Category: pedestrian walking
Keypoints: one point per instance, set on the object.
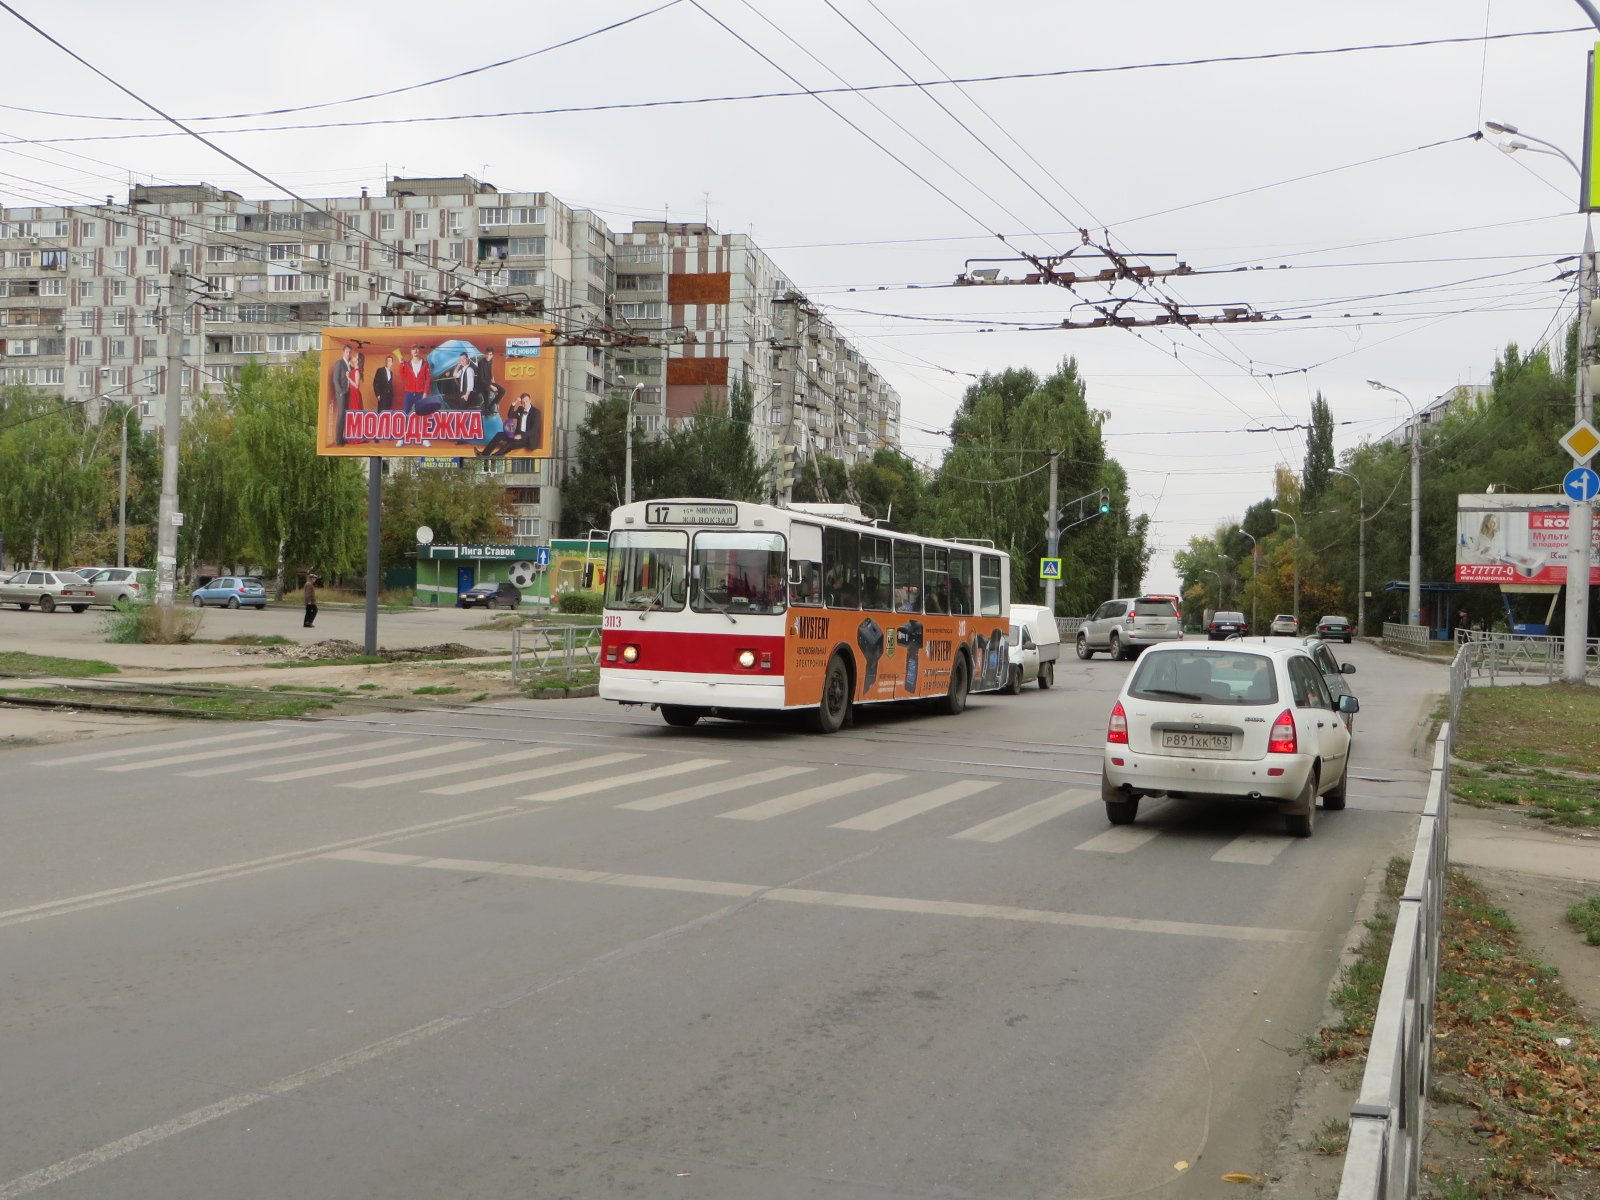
(311, 599)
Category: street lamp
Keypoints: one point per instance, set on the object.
(1296, 525)
(1361, 550)
(1414, 596)
(1255, 571)
(128, 407)
(1222, 587)
(1520, 141)
(627, 459)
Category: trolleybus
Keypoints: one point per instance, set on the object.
(728, 608)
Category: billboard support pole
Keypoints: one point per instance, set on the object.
(1580, 514)
(374, 509)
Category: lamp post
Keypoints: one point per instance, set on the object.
(1296, 525)
(1222, 587)
(1255, 571)
(1361, 550)
(128, 406)
(1414, 595)
(627, 453)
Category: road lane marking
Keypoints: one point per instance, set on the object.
(173, 760)
(781, 805)
(1027, 817)
(1253, 850)
(852, 900)
(453, 768)
(616, 781)
(261, 764)
(478, 785)
(915, 806)
(358, 764)
(1119, 839)
(89, 1159)
(99, 755)
(173, 883)
(703, 791)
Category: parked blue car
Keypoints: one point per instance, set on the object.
(231, 591)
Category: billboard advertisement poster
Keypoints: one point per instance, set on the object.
(437, 392)
(1517, 539)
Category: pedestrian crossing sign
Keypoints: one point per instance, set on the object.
(1049, 568)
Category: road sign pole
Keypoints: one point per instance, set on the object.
(1052, 539)
(1580, 514)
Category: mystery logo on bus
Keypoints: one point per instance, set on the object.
(811, 629)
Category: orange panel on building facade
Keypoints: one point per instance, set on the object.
(705, 372)
(712, 287)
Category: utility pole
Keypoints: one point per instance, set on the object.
(168, 515)
(1052, 536)
(122, 492)
(1580, 514)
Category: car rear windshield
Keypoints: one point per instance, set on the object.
(1148, 606)
(1202, 676)
(1226, 616)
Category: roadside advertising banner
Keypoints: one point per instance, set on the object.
(438, 392)
(1515, 539)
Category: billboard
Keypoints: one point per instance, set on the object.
(437, 391)
(1516, 539)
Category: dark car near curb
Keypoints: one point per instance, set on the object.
(1226, 625)
(1336, 627)
(491, 595)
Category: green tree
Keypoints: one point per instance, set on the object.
(1319, 453)
(458, 505)
(51, 476)
(710, 454)
(822, 479)
(211, 530)
(594, 484)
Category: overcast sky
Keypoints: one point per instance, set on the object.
(1468, 237)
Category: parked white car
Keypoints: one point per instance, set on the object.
(1034, 647)
(1249, 722)
(46, 589)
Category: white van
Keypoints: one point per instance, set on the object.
(1034, 646)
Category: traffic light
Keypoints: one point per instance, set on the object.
(1105, 500)
(786, 467)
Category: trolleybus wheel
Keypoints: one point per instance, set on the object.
(834, 710)
(955, 700)
(681, 715)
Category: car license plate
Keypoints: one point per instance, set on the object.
(1172, 739)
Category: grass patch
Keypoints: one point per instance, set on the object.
(543, 682)
(1331, 1139)
(249, 639)
(435, 689)
(296, 687)
(1586, 916)
(349, 660)
(226, 704)
(152, 624)
(1551, 726)
(367, 687)
(20, 662)
(1555, 798)
(1356, 997)
(481, 696)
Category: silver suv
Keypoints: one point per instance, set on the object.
(1122, 628)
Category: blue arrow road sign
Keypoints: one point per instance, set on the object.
(541, 556)
(1581, 484)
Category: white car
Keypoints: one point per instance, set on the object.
(1034, 647)
(1249, 722)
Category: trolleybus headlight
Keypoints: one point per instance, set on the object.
(747, 659)
(630, 654)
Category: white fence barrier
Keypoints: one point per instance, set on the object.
(1069, 626)
(565, 648)
(1414, 637)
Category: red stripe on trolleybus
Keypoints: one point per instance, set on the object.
(691, 653)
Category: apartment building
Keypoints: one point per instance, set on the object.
(85, 299)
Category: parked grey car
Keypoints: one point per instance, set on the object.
(44, 588)
(1124, 627)
(120, 585)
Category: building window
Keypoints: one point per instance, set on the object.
(283, 343)
(55, 375)
(280, 251)
(86, 319)
(385, 222)
(117, 348)
(528, 527)
(640, 312)
(147, 348)
(283, 220)
(52, 287)
(152, 256)
(525, 278)
(88, 230)
(186, 256)
(525, 245)
(421, 221)
(286, 283)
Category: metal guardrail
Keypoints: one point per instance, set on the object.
(1068, 627)
(567, 648)
(1383, 1158)
(1413, 636)
(1495, 654)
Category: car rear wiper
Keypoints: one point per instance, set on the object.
(1170, 692)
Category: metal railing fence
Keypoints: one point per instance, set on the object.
(1495, 654)
(1383, 1158)
(1414, 636)
(1069, 626)
(564, 648)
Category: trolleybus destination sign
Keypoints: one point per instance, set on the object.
(691, 514)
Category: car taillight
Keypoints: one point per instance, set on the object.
(1117, 727)
(1128, 620)
(1283, 739)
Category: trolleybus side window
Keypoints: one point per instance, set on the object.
(841, 568)
(738, 572)
(805, 564)
(647, 570)
(877, 588)
(961, 583)
(989, 585)
(907, 577)
(936, 579)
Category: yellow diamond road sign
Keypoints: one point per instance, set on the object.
(1581, 441)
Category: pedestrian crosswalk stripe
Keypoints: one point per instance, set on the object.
(1027, 817)
(1119, 839)
(616, 781)
(583, 764)
(915, 806)
(780, 805)
(173, 760)
(73, 760)
(262, 764)
(704, 791)
(1252, 850)
(493, 760)
(433, 751)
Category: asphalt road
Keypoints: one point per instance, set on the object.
(561, 950)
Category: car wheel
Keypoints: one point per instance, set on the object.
(954, 702)
(1014, 682)
(1334, 799)
(1121, 807)
(1300, 825)
(199, 603)
(1115, 647)
(1083, 647)
(23, 607)
(1047, 676)
(80, 608)
(233, 602)
(122, 599)
(834, 710)
(47, 604)
(681, 715)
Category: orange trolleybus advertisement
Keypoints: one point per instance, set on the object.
(437, 391)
